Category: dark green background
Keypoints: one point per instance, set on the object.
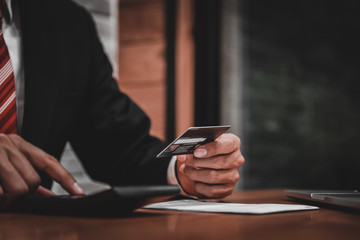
(303, 79)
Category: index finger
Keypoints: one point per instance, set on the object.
(225, 144)
(57, 172)
(47, 163)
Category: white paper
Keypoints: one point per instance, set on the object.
(219, 207)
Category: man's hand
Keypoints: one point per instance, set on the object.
(212, 171)
(18, 161)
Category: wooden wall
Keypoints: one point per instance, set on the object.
(184, 66)
(142, 63)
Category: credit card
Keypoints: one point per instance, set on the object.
(191, 138)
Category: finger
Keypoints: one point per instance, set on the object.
(26, 170)
(2, 205)
(56, 171)
(189, 159)
(47, 163)
(43, 192)
(1, 194)
(182, 168)
(11, 181)
(19, 162)
(228, 161)
(225, 144)
(181, 158)
(214, 191)
(212, 176)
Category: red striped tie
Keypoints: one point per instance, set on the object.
(7, 89)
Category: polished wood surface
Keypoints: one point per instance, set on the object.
(149, 224)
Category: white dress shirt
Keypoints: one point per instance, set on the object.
(12, 36)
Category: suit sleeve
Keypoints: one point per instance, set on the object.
(111, 136)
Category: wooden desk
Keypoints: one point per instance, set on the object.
(149, 224)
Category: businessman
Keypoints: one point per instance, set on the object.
(56, 85)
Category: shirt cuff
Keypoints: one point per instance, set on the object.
(171, 175)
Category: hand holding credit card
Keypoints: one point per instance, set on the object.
(208, 161)
(191, 138)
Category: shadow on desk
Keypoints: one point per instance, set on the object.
(324, 223)
(113, 202)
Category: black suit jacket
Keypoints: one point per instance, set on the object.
(70, 95)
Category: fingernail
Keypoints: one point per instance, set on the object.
(182, 168)
(78, 189)
(200, 152)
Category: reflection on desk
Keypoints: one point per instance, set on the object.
(153, 224)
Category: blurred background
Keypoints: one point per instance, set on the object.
(284, 74)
